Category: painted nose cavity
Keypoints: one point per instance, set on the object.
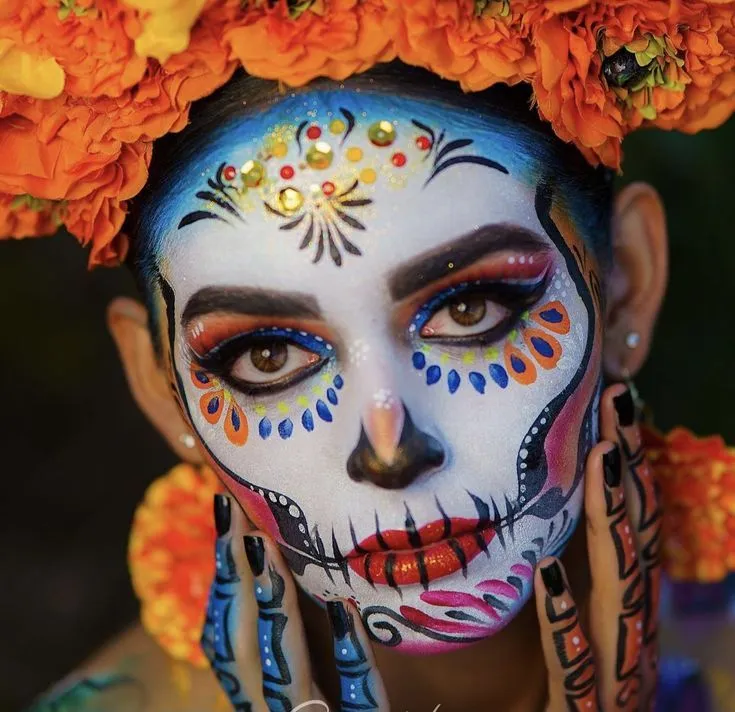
(391, 451)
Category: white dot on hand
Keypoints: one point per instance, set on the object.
(344, 651)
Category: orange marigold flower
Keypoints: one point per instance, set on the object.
(171, 558)
(296, 42)
(26, 216)
(608, 68)
(475, 43)
(697, 481)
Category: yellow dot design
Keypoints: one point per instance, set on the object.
(354, 154)
(368, 175)
(337, 126)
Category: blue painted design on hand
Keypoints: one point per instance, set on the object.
(323, 411)
(332, 396)
(307, 420)
(338, 382)
(419, 361)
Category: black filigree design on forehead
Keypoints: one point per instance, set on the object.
(319, 177)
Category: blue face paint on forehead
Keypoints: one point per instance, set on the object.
(343, 142)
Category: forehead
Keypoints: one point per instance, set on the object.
(338, 184)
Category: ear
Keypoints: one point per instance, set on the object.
(127, 321)
(637, 284)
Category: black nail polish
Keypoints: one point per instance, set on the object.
(612, 467)
(625, 409)
(553, 580)
(222, 514)
(339, 618)
(255, 551)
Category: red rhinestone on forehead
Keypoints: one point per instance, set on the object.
(287, 172)
(423, 143)
(229, 173)
(328, 188)
(313, 132)
(399, 159)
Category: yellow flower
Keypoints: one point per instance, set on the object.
(29, 74)
(166, 26)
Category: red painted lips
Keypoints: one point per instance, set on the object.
(399, 557)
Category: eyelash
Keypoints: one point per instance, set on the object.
(220, 360)
(517, 297)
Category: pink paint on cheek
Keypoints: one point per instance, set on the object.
(525, 572)
(255, 507)
(560, 445)
(455, 599)
(499, 588)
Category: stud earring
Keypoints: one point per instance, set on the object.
(187, 441)
(632, 339)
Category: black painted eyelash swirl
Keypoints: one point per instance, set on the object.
(220, 360)
(516, 297)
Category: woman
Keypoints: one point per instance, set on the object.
(388, 291)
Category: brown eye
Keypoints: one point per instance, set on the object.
(468, 311)
(270, 358)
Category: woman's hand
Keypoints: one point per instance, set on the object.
(611, 666)
(254, 638)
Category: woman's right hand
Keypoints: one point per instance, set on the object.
(253, 635)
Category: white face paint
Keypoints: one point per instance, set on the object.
(391, 352)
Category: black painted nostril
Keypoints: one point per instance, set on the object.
(417, 453)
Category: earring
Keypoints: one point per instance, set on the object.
(632, 339)
(187, 441)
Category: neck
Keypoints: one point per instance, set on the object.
(506, 671)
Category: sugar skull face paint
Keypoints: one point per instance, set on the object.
(384, 327)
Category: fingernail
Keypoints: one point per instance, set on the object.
(222, 514)
(339, 618)
(612, 467)
(553, 580)
(255, 551)
(625, 408)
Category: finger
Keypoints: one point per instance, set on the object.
(284, 656)
(361, 687)
(616, 601)
(567, 651)
(643, 502)
(229, 639)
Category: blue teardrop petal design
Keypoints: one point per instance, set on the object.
(433, 375)
(453, 381)
(235, 419)
(307, 420)
(213, 405)
(419, 361)
(338, 382)
(478, 381)
(323, 411)
(285, 429)
(265, 428)
(517, 364)
(553, 316)
(201, 377)
(332, 396)
(542, 346)
(498, 374)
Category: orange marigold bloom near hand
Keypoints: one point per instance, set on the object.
(323, 38)
(696, 477)
(477, 43)
(171, 558)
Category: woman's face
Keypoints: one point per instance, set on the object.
(385, 330)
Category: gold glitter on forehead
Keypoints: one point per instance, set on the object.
(319, 178)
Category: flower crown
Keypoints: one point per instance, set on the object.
(86, 86)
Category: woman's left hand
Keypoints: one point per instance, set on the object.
(611, 665)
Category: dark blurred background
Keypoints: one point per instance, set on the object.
(76, 456)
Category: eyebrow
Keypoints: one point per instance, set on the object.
(250, 301)
(462, 252)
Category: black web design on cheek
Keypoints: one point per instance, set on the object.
(303, 544)
(327, 217)
(532, 465)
